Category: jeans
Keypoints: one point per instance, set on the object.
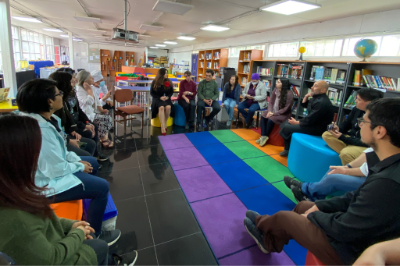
(201, 106)
(230, 107)
(267, 125)
(330, 184)
(92, 187)
(189, 108)
(251, 110)
(100, 247)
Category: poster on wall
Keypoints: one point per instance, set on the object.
(195, 59)
(93, 55)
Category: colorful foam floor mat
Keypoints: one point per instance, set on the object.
(224, 173)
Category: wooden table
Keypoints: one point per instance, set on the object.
(6, 107)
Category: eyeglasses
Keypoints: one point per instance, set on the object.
(361, 120)
(60, 93)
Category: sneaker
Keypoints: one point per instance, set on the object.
(258, 141)
(111, 237)
(291, 182)
(255, 234)
(299, 195)
(284, 153)
(252, 215)
(128, 259)
(263, 141)
(229, 123)
(102, 158)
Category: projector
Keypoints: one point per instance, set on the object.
(125, 36)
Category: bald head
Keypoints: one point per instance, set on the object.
(320, 87)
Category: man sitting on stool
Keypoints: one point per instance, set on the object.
(350, 146)
(320, 114)
(207, 95)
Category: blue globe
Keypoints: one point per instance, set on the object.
(365, 48)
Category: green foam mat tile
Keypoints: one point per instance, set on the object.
(244, 150)
(225, 136)
(284, 190)
(269, 168)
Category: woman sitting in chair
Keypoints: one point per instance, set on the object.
(279, 109)
(161, 90)
(231, 97)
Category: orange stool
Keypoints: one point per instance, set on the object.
(72, 210)
(274, 138)
(312, 260)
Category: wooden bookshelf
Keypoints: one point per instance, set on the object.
(244, 69)
(130, 56)
(105, 60)
(211, 59)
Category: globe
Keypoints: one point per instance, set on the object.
(365, 48)
(302, 50)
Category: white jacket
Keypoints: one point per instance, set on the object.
(261, 94)
(101, 89)
(87, 103)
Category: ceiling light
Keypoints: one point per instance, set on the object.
(65, 36)
(289, 7)
(186, 38)
(77, 40)
(88, 19)
(160, 45)
(96, 30)
(152, 47)
(144, 35)
(55, 30)
(168, 42)
(214, 28)
(171, 7)
(150, 27)
(34, 20)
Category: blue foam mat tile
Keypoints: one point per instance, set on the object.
(202, 138)
(238, 175)
(296, 252)
(217, 153)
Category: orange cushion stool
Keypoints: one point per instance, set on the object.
(274, 138)
(312, 260)
(72, 210)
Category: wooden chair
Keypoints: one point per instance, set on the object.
(127, 111)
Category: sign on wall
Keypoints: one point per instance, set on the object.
(93, 55)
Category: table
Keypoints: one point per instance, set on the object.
(6, 107)
(40, 64)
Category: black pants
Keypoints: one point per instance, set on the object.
(267, 125)
(287, 130)
(89, 150)
(201, 106)
(88, 134)
(189, 108)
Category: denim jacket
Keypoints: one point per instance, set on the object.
(238, 91)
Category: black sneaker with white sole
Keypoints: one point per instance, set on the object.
(255, 234)
(290, 181)
(284, 153)
(299, 195)
(111, 237)
(252, 215)
(128, 259)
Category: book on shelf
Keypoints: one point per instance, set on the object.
(208, 56)
(216, 65)
(341, 76)
(382, 83)
(296, 90)
(208, 64)
(243, 81)
(267, 84)
(334, 74)
(246, 56)
(351, 101)
(216, 55)
(201, 64)
(282, 71)
(296, 72)
(202, 56)
(265, 71)
(327, 74)
(246, 68)
(313, 75)
(294, 106)
(334, 95)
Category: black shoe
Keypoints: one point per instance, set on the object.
(299, 195)
(252, 215)
(126, 259)
(255, 234)
(205, 126)
(291, 182)
(102, 158)
(198, 127)
(284, 153)
(111, 237)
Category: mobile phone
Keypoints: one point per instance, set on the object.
(82, 145)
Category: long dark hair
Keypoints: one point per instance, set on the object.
(63, 80)
(229, 89)
(284, 92)
(20, 143)
(159, 80)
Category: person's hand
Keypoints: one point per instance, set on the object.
(74, 142)
(342, 170)
(88, 88)
(187, 100)
(210, 102)
(336, 134)
(372, 256)
(186, 93)
(91, 128)
(88, 167)
(110, 103)
(310, 94)
(312, 209)
(247, 96)
(270, 114)
(87, 230)
(76, 135)
(335, 127)
(222, 105)
(104, 111)
(166, 98)
(293, 121)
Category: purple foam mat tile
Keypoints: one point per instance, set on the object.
(175, 141)
(254, 256)
(185, 158)
(201, 183)
(221, 219)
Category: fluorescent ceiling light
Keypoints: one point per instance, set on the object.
(55, 30)
(77, 40)
(152, 47)
(186, 38)
(150, 27)
(214, 28)
(88, 19)
(169, 42)
(171, 7)
(289, 7)
(144, 35)
(160, 45)
(34, 20)
(66, 36)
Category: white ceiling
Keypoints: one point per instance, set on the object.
(241, 16)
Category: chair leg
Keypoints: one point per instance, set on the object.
(142, 119)
(125, 126)
(237, 119)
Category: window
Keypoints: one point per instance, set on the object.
(30, 45)
(256, 47)
(283, 49)
(349, 43)
(234, 51)
(322, 47)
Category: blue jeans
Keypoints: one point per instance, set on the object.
(330, 184)
(250, 113)
(92, 187)
(230, 106)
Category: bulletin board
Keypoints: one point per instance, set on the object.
(93, 55)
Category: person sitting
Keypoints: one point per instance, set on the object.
(99, 85)
(207, 95)
(30, 232)
(345, 139)
(279, 109)
(231, 97)
(254, 98)
(338, 178)
(90, 104)
(70, 71)
(339, 229)
(65, 175)
(161, 90)
(384, 253)
(320, 115)
(187, 98)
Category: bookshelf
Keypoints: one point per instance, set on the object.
(105, 59)
(211, 59)
(130, 56)
(244, 69)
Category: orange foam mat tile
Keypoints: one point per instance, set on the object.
(282, 160)
(246, 134)
(268, 149)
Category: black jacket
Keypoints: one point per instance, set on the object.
(350, 127)
(364, 217)
(320, 112)
(67, 114)
(157, 94)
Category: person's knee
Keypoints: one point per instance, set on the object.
(168, 107)
(192, 103)
(326, 135)
(346, 156)
(100, 247)
(161, 108)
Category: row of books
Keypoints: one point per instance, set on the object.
(216, 55)
(364, 77)
(289, 71)
(296, 90)
(267, 83)
(265, 71)
(243, 81)
(328, 74)
(351, 101)
(246, 68)
(246, 56)
(216, 65)
(209, 65)
(335, 96)
(208, 56)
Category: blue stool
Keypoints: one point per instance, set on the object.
(180, 117)
(110, 212)
(310, 157)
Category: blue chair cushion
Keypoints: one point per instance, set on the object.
(180, 117)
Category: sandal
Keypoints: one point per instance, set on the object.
(107, 143)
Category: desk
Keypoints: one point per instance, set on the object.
(6, 107)
(40, 64)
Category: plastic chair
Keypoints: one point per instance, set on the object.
(180, 117)
(72, 210)
(127, 111)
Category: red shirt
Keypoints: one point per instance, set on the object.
(190, 86)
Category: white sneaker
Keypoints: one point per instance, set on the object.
(263, 140)
(258, 141)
